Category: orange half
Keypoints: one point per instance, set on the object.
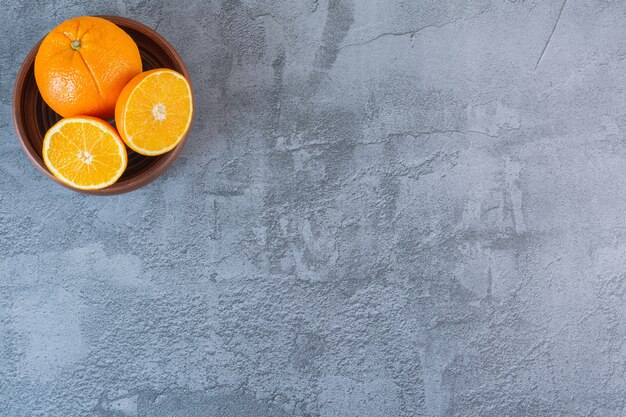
(84, 152)
(154, 111)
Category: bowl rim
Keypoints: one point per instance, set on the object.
(150, 173)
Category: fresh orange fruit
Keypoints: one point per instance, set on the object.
(84, 152)
(154, 111)
(83, 64)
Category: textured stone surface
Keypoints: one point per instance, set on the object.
(386, 208)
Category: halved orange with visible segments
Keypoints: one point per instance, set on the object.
(154, 111)
(84, 152)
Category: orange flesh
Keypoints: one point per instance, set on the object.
(154, 111)
(84, 152)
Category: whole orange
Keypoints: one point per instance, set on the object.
(82, 66)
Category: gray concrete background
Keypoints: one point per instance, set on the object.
(386, 208)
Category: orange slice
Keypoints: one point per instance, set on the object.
(84, 152)
(154, 111)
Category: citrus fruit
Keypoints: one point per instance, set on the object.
(154, 111)
(84, 152)
(83, 64)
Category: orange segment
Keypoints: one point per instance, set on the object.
(154, 111)
(84, 152)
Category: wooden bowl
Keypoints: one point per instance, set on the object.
(32, 116)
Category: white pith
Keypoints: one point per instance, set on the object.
(159, 112)
(85, 156)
